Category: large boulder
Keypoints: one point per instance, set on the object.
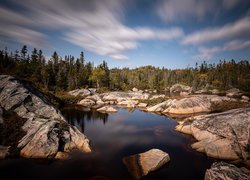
(192, 105)
(225, 171)
(178, 88)
(45, 127)
(140, 165)
(86, 102)
(189, 105)
(214, 132)
(80, 92)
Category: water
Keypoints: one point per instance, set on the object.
(113, 137)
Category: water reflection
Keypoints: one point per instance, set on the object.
(124, 133)
(77, 116)
(112, 137)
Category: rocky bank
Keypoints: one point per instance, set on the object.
(224, 171)
(223, 135)
(47, 133)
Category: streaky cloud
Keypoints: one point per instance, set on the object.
(238, 29)
(96, 26)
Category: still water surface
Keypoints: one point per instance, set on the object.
(112, 137)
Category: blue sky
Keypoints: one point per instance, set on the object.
(130, 33)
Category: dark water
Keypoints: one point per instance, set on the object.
(113, 137)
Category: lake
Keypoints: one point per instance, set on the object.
(114, 136)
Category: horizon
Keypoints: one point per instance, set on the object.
(162, 33)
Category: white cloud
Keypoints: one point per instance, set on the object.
(172, 10)
(94, 25)
(16, 27)
(240, 28)
(208, 53)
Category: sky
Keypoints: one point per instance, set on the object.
(130, 33)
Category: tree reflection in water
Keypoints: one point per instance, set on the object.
(79, 115)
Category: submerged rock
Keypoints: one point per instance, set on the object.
(108, 109)
(140, 165)
(47, 132)
(225, 171)
(222, 135)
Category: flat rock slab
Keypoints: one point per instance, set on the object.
(140, 165)
(225, 171)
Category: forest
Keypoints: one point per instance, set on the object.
(68, 73)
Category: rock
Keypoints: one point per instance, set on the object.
(202, 91)
(233, 93)
(177, 88)
(80, 92)
(121, 96)
(214, 132)
(92, 90)
(100, 102)
(215, 91)
(157, 96)
(86, 102)
(140, 165)
(94, 97)
(4, 151)
(45, 126)
(114, 96)
(245, 98)
(184, 94)
(1, 115)
(108, 109)
(161, 106)
(225, 171)
(138, 95)
(74, 139)
(142, 105)
(135, 89)
(189, 105)
(62, 155)
(196, 104)
(128, 103)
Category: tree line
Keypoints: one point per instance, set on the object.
(68, 73)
